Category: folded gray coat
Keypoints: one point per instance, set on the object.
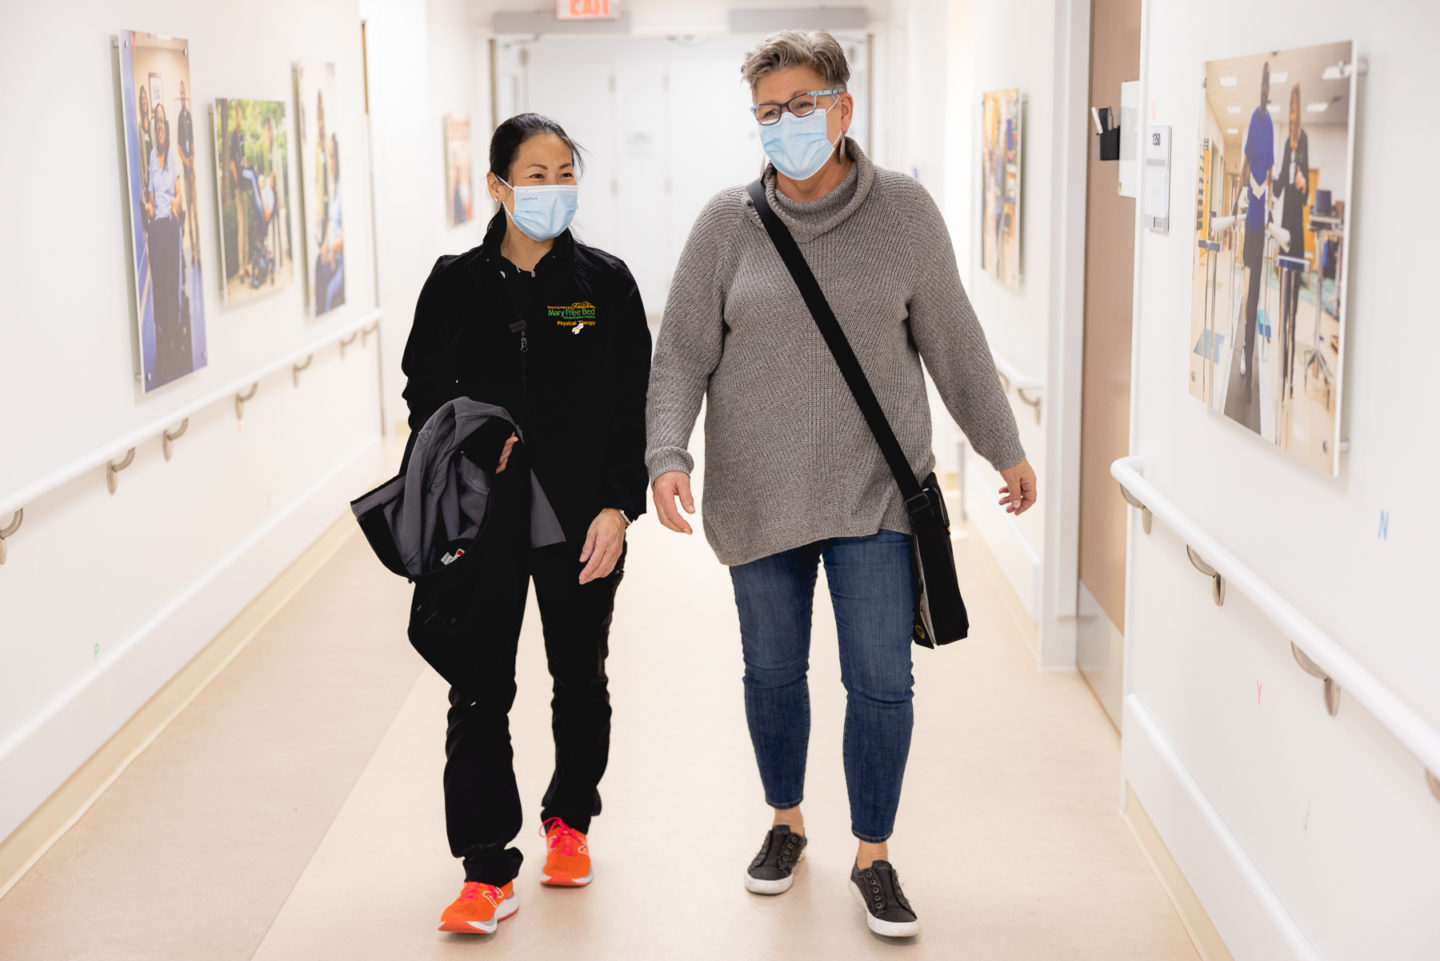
(440, 499)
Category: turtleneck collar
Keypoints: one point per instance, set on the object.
(808, 220)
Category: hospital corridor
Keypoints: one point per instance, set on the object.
(308, 772)
(643, 480)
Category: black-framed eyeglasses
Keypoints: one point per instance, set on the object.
(801, 105)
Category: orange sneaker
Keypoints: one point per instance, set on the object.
(568, 862)
(479, 908)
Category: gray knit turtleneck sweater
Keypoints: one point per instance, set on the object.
(789, 459)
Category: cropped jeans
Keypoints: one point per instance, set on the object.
(872, 590)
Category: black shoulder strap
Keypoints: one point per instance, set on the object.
(835, 339)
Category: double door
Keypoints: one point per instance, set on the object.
(664, 124)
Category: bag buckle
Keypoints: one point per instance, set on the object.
(923, 497)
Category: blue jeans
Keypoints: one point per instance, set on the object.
(872, 590)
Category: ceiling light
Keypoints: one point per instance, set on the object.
(1228, 81)
(1336, 71)
(1232, 109)
(1232, 130)
(1318, 107)
(1279, 76)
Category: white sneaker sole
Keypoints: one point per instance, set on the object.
(778, 886)
(891, 929)
(567, 882)
(506, 908)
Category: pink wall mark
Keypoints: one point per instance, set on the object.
(1258, 687)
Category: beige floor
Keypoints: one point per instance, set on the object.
(294, 810)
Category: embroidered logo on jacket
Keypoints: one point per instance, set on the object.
(578, 315)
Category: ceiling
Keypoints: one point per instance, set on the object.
(1303, 65)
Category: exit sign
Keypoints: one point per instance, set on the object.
(586, 9)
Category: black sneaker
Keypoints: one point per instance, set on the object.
(887, 911)
(773, 870)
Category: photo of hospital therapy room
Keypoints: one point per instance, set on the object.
(1267, 312)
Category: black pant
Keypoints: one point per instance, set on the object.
(482, 804)
(1289, 307)
(172, 331)
(1254, 255)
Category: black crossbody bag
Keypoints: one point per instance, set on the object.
(940, 615)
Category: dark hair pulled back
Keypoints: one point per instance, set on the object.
(506, 141)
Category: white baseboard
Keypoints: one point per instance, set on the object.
(1245, 910)
(1013, 554)
(42, 754)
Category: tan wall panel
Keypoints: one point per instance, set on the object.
(1109, 283)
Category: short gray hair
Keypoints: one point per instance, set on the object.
(815, 49)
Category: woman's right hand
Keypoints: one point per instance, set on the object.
(669, 486)
(1018, 494)
(505, 454)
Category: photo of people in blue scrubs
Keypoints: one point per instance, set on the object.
(159, 159)
(1267, 318)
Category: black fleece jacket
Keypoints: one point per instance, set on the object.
(574, 374)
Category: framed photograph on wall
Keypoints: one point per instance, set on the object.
(252, 194)
(321, 185)
(1273, 206)
(459, 190)
(1000, 152)
(164, 221)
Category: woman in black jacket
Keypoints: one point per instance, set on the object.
(1292, 182)
(554, 332)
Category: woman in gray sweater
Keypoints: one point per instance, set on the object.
(793, 475)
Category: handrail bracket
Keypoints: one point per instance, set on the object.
(112, 470)
(1145, 516)
(295, 369)
(1032, 402)
(1332, 690)
(242, 399)
(10, 530)
(1216, 580)
(168, 438)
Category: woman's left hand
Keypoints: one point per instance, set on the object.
(603, 545)
(1018, 494)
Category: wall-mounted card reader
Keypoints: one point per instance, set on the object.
(1107, 135)
(1156, 178)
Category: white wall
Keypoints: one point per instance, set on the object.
(1305, 836)
(958, 128)
(1013, 46)
(918, 65)
(105, 597)
(74, 314)
(426, 60)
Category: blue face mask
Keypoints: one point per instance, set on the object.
(545, 212)
(798, 146)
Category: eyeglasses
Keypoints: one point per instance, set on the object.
(802, 105)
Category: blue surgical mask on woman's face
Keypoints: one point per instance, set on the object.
(798, 146)
(543, 212)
